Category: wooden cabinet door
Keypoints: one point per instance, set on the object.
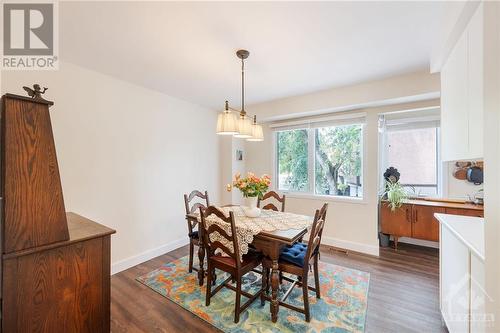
(465, 212)
(397, 223)
(424, 225)
(65, 289)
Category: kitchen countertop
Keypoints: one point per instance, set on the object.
(446, 204)
(470, 230)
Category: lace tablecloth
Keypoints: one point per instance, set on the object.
(248, 227)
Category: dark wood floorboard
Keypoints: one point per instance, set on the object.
(403, 295)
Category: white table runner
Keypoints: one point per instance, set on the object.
(248, 227)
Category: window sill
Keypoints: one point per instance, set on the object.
(329, 198)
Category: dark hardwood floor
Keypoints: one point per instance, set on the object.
(403, 295)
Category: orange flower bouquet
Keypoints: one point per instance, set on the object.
(252, 186)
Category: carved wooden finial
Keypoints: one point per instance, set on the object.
(36, 92)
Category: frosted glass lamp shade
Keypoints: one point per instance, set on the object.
(244, 128)
(257, 133)
(227, 123)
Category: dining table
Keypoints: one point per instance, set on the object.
(267, 233)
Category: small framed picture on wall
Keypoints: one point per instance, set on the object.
(239, 155)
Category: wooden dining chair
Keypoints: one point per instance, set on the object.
(295, 260)
(193, 233)
(229, 260)
(271, 206)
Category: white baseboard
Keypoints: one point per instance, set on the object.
(353, 246)
(147, 255)
(419, 242)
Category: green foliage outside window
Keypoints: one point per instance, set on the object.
(338, 159)
(292, 160)
(337, 155)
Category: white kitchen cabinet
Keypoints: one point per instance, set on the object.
(478, 296)
(455, 292)
(461, 270)
(462, 95)
(475, 80)
(454, 118)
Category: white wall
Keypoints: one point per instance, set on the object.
(126, 156)
(229, 167)
(226, 167)
(237, 167)
(351, 225)
(389, 91)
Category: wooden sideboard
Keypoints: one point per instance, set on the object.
(60, 287)
(55, 266)
(415, 218)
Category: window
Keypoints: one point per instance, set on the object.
(292, 160)
(414, 152)
(324, 160)
(409, 142)
(338, 160)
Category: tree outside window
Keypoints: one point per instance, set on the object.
(293, 160)
(336, 160)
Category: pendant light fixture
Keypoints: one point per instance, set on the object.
(240, 126)
(227, 122)
(257, 133)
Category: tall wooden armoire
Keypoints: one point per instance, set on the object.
(55, 269)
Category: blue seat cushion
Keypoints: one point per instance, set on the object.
(294, 254)
(194, 234)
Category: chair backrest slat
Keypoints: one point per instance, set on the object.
(196, 207)
(271, 206)
(223, 248)
(215, 227)
(190, 209)
(316, 233)
(195, 194)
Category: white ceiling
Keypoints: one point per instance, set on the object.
(187, 49)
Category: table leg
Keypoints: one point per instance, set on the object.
(201, 271)
(274, 293)
(271, 249)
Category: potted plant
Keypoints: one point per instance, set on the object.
(395, 195)
(253, 188)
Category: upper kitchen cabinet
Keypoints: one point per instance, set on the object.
(454, 111)
(475, 80)
(462, 95)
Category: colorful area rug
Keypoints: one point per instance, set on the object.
(342, 307)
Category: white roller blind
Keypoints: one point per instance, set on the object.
(406, 124)
(337, 120)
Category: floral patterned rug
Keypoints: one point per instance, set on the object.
(342, 307)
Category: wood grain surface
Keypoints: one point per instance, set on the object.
(34, 213)
(445, 204)
(58, 290)
(60, 287)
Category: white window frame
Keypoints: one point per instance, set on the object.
(311, 126)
